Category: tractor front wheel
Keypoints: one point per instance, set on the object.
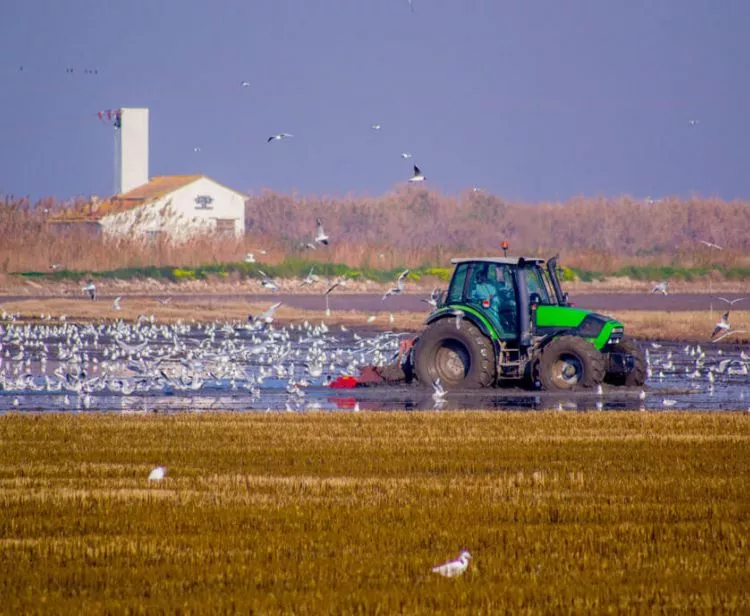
(570, 362)
(461, 357)
(637, 375)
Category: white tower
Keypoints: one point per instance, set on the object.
(131, 149)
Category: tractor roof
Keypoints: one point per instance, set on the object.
(501, 260)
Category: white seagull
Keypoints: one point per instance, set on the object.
(340, 282)
(90, 289)
(399, 288)
(267, 315)
(454, 568)
(279, 137)
(731, 302)
(405, 154)
(309, 279)
(157, 474)
(320, 235)
(245, 84)
(249, 258)
(433, 300)
(710, 244)
(723, 326)
(267, 282)
(459, 314)
(375, 126)
(439, 391)
(418, 175)
(661, 287)
(116, 303)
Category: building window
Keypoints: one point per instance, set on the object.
(225, 226)
(203, 202)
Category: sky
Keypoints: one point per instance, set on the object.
(531, 100)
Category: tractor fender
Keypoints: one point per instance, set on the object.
(445, 313)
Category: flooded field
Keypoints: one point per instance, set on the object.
(154, 367)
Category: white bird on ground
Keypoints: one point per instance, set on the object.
(320, 235)
(418, 175)
(439, 393)
(279, 137)
(249, 258)
(731, 302)
(90, 289)
(399, 288)
(267, 282)
(116, 303)
(661, 287)
(165, 301)
(711, 244)
(454, 568)
(668, 402)
(157, 474)
(371, 318)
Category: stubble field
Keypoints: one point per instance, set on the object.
(347, 513)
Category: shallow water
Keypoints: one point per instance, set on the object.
(230, 367)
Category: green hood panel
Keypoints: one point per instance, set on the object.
(560, 316)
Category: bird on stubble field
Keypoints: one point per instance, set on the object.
(454, 568)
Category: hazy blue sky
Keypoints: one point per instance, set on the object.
(529, 99)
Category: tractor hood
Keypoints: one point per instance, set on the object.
(598, 328)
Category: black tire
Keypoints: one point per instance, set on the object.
(570, 362)
(462, 358)
(637, 376)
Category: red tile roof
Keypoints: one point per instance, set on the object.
(154, 189)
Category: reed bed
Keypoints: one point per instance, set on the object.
(346, 513)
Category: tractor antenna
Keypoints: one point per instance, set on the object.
(504, 246)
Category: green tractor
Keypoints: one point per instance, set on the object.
(507, 319)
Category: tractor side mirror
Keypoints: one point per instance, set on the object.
(534, 300)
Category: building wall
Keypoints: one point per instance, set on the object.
(131, 144)
(184, 213)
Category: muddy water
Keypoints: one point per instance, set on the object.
(229, 368)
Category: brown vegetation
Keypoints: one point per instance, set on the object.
(410, 227)
(344, 513)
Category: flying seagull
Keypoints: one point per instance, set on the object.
(711, 244)
(245, 84)
(459, 314)
(90, 289)
(731, 302)
(309, 279)
(157, 474)
(694, 122)
(340, 282)
(439, 391)
(265, 316)
(399, 288)
(432, 301)
(418, 176)
(375, 126)
(661, 287)
(267, 282)
(454, 568)
(320, 235)
(406, 154)
(722, 327)
(279, 137)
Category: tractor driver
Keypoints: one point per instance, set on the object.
(493, 293)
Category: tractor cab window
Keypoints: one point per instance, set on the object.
(456, 290)
(535, 281)
(492, 289)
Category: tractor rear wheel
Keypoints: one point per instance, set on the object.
(461, 357)
(570, 362)
(637, 375)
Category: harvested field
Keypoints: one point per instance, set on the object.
(334, 513)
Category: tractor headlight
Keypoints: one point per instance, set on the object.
(590, 327)
(615, 336)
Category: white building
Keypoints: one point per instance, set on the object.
(173, 207)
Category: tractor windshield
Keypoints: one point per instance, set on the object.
(537, 282)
